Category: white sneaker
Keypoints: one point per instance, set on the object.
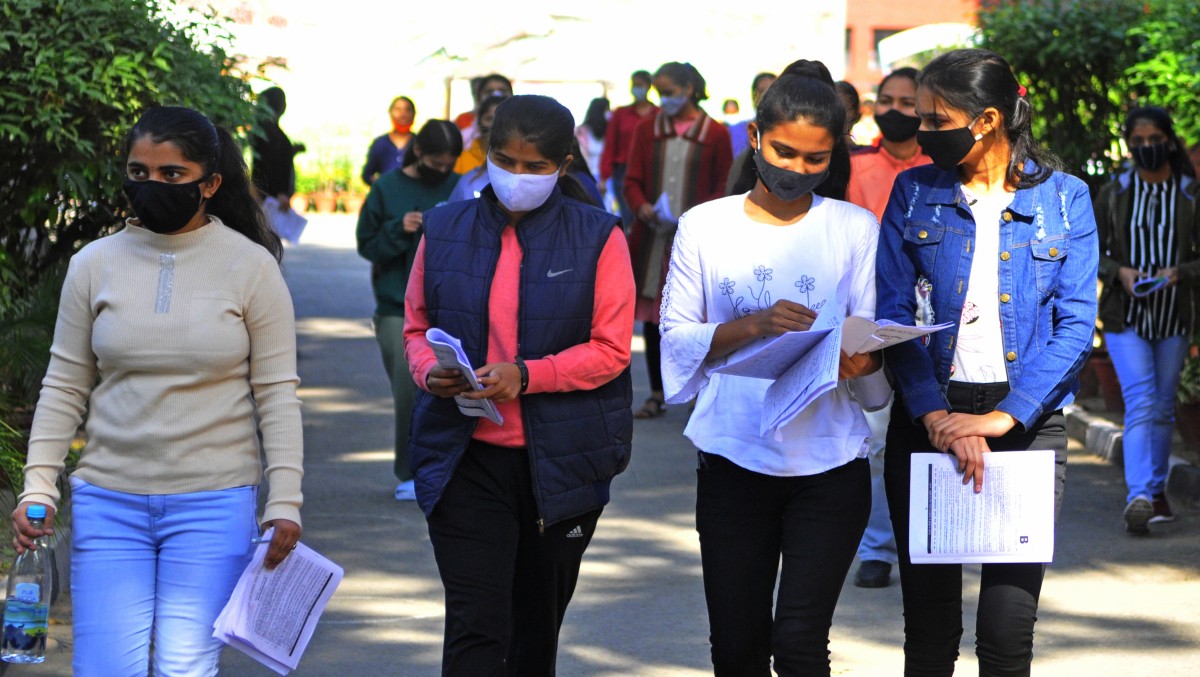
(406, 491)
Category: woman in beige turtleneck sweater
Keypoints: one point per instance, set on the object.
(173, 334)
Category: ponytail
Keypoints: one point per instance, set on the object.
(235, 202)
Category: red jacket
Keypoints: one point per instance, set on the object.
(619, 138)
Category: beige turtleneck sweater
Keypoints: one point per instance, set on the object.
(190, 335)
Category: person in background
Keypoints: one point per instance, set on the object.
(786, 508)
(730, 111)
(873, 170)
(473, 181)
(849, 96)
(176, 336)
(591, 133)
(995, 239)
(618, 138)
(466, 119)
(387, 150)
(865, 130)
(475, 151)
(737, 131)
(1149, 223)
(389, 228)
(683, 155)
(273, 153)
(537, 286)
(488, 86)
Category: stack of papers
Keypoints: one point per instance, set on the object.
(1011, 520)
(450, 355)
(272, 614)
(804, 364)
(287, 224)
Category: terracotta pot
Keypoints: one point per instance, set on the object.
(1187, 421)
(325, 201)
(352, 202)
(299, 202)
(1109, 386)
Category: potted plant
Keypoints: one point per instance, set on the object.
(1187, 400)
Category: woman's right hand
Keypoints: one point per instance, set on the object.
(23, 532)
(445, 382)
(1129, 277)
(783, 316)
(646, 214)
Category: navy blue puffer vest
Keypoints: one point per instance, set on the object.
(577, 441)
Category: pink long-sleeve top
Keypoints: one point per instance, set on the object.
(580, 367)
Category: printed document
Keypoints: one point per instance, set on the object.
(804, 364)
(272, 614)
(1011, 520)
(450, 355)
(287, 224)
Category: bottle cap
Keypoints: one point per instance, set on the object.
(36, 512)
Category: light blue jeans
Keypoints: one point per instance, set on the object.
(161, 563)
(878, 543)
(1149, 375)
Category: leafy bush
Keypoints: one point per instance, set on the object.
(74, 76)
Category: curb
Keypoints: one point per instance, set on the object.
(1105, 438)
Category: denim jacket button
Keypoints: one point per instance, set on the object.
(1005, 298)
(923, 234)
(1011, 356)
(1007, 216)
(1004, 256)
(1053, 252)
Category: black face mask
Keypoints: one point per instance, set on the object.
(164, 207)
(1151, 156)
(896, 126)
(948, 148)
(430, 176)
(784, 183)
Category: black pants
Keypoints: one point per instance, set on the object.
(507, 585)
(653, 355)
(746, 522)
(1008, 593)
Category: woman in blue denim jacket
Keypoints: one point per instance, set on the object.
(993, 239)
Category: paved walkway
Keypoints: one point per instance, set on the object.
(1112, 605)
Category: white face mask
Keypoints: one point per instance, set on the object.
(520, 192)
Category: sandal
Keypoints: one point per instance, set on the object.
(653, 407)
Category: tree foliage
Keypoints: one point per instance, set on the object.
(1086, 63)
(74, 76)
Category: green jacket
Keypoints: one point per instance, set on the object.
(381, 236)
(1113, 209)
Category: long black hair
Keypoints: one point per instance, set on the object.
(436, 137)
(545, 124)
(684, 74)
(1181, 164)
(595, 119)
(973, 80)
(806, 92)
(214, 149)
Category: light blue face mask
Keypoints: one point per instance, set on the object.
(671, 105)
(639, 93)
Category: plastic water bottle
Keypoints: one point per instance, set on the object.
(27, 611)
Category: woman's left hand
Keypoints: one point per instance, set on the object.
(945, 431)
(1172, 275)
(501, 382)
(861, 364)
(283, 542)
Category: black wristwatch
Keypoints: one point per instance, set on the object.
(524, 373)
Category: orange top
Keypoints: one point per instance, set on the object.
(873, 170)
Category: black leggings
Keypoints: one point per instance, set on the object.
(1008, 593)
(653, 355)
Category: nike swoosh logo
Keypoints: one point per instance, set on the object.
(556, 273)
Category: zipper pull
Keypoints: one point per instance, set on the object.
(541, 527)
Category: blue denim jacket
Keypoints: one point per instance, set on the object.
(1049, 254)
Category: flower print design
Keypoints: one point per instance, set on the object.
(806, 285)
(727, 286)
(764, 275)
(970, 313)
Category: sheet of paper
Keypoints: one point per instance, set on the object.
(271, 615)
(864, 336)
(1011, 520)
(800, 386)
(662, 209)
(450, 355)
(288, 224)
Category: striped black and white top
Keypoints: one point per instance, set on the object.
(1153, 245)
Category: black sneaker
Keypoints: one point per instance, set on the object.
(1162, 510)
(1138, 514)
(873, 573)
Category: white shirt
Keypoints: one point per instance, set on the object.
(979, 351)
(724, 266)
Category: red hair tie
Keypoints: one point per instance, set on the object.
(1021, 91)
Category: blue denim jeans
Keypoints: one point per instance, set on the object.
(878, 543)
(1149, 375)
(161, 563)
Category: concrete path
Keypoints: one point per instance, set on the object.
(1112, 605)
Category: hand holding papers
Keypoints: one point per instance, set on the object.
(450, 355)
(804, 364)
(1011, 520)
(666, 218)
(284, 220)
(272, 614)
(1148, 285)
